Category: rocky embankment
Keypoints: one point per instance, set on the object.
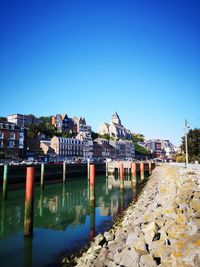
(162, 228)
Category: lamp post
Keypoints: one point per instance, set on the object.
(186, 143)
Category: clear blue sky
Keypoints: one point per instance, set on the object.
(92, 58)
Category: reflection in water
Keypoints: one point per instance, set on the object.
(64, 219)
(28, 246)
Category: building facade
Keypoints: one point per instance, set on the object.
(67, 148)
(12, 140)
(62, 123)
(23, 120)
(115, 129)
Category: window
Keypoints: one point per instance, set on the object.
(7, 126)
(12, 126)
(12, 136)
(1, 135)
(11, 144)
(1, 143)
(1, 125)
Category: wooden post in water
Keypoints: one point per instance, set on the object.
(29, 201)
(142, 170)
(150, 170)
(92, 183)
(133, 173)
(121, 177)
(5, 181)
(92, 220)
(88, 168)
(42, 176)
(106, 168)
(64, 171)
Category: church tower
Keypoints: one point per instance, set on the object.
(115, 118)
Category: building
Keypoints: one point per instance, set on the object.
(108, 151)
(67, 148)
(155, 147)
(115, 129)
(87, 144)
(80, 123)
(62, 123)
(23, 120)
(12, 140)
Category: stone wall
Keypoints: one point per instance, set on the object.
(162, 228)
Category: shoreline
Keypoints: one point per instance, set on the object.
(161, 228)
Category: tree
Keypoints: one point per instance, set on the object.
(140, 150)
(94, 135)
(105, 136)
(193, 144)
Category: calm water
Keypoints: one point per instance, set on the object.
(63, 220)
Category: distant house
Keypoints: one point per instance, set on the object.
(62, 123)
(12, 139)
(67, 148)
(23, 120)
(115, 128)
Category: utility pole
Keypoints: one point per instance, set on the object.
(186, 143)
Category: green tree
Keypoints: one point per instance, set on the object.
(140, 150)
(193, 144)
(94, 135)
(105, 136)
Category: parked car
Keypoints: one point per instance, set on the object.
(27, 162)
(14, 162)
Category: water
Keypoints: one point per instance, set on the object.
(64, 221)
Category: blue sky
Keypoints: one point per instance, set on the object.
(92, 58)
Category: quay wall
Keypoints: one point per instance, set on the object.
(161, 229)
(17, 174)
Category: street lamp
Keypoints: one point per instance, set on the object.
(186, 143)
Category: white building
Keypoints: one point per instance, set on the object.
(115, 128)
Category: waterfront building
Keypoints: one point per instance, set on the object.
(62, 123)
(97, 150)
(155, 147)
(67, 148)
(115, 129)
(86, 138)
(108, 151)
(23, 120)
(12, 139)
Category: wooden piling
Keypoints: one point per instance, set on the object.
(88, 168)
(42, 176)
(150, 169)
(133, 169)
(121, 177)
(142, 170)
(5, 181)
(92, 183)
(64, 171)
(29, 201)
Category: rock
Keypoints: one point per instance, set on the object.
(140, 246)
(132, 237)
(195, 204)
(147, 260)
(108, 236)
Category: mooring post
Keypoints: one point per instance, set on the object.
(121, 177)
(88, 168)
(64, 171)
(42, 176)
(29, 201)
(92, 220)
(150, 170)
(133, 169)
(92, 183)
(106, 168)
(142, 170)
(5, 181)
